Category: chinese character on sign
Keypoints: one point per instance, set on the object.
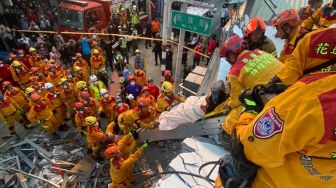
(322, 48)
(334, 51)
(202, 23)
(179, 18)
(254, 72)
(190, 20)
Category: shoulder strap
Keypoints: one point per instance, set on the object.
(321, 66)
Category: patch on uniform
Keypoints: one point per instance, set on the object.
(268, 124)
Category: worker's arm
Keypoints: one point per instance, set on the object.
(132, 158)
(14, 76)
(124, 141)
(312, 20)
(32, 115)
(179, 98)
(97, 133)
(235, 91)
(161, 105)
(296, 63)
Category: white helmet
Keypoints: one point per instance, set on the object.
(130, 97)
(93, 78)
(48, 85)
(103, 91)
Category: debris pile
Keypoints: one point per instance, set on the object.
(36, 160)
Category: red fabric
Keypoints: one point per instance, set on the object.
(154, 90)
(199, 49)
(328, 107)
(5, 103)
(120, 110)
(314, 77)
(322, 38)
(25, 61)
(211, 46)
(39, 108)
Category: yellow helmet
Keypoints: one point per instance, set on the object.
(62, 80)
(167, 87)
(137, 51)
(95, 51)
(90, 120)
(16, 63)
(81, 84)
(29, 90)
(77, 68)
(31, 49)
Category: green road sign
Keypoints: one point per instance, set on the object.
(192, 23)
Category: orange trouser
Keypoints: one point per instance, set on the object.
(60, 114)
(124, 184)
(50, 126)
(95, 148)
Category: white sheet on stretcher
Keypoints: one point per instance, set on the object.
(187, 112)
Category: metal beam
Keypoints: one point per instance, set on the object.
(37, 147)
(24, 158)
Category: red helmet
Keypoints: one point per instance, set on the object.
(33, 69)
(84, 95)
(145, 88)
(20, 51)
(167, 73)
(256, 24)
(234, 45)
(35, 97)
(11, 56)
(78, 55)
(143, 102)
(5, 84)
(110, 152)
(130, 77)
(288, 17)
(78, 105)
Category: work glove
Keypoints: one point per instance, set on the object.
(146, 144)
(39, 122)
(250, 106)
(155, 124)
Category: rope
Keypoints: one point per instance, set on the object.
(107, 34)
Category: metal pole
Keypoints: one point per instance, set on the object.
(166, 10)
(180, 51)
(149, 9)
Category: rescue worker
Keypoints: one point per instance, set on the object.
(94, 135)
(68, 96)
(315, 52)
(88, 101)
(291, 142)
(249, 68)
(23, 58)
(153, 89)
(81, 86)
(155, 25)
(145, 94)
(34, 61)
(80, 75)
(288, 28)
(41, 113)
(38, 86)
(119, 63)
(54, 76)
(81, 113)
(256, 38)
(119, 107)
(53, 98)
(134, 17)
(5, 73)
(126, 144)
(139, 117)
(322, 17)
(140, 77)
(80, 62)
(95, 87)
(94, 45)
(16, 94)
(121, 170)
(308, 11)
(139, 62)
(107, 101)
(96, 61)
(9, 113)
(20, 73)
(123, 48)
(35, 71)
(133, 87)
(167, 99)
(168, 77)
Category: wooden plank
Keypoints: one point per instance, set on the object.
(65, 181)
(85, 166)
(22, 179)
